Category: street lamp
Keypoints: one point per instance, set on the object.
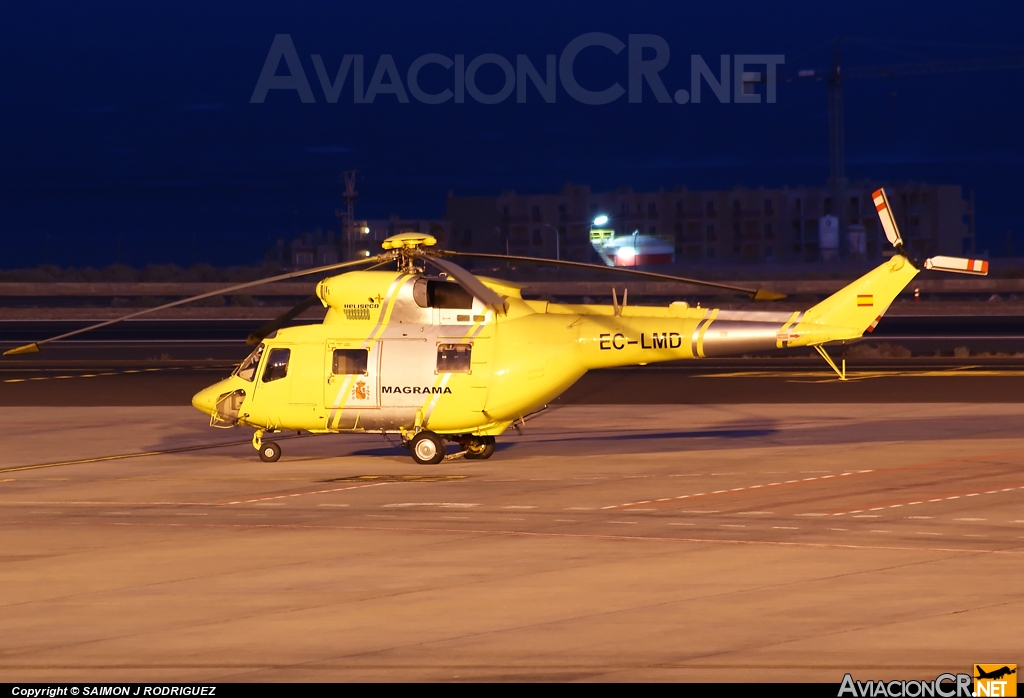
(599, 235)
(558, 254)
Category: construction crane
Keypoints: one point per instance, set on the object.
(346, 216)
(836, 75)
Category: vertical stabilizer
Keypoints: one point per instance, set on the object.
(859, 305)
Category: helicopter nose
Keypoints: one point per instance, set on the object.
(206, 399)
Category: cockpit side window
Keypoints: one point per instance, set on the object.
(277, 365)
(247, 369)
(434, 293)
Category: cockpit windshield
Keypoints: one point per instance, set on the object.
(247, 369)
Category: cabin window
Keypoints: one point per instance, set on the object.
(434, 293)
(277, 365)
(247, 369)
(453, 358)
(349, 362)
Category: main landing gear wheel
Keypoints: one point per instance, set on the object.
(269, 452)
(427, 448)
(480, 448)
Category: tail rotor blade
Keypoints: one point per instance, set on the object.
(892, 232)
(958, 265)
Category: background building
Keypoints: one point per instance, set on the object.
(739, 225)
(318, 248)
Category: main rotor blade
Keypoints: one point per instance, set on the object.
(469, 282)
(757, 294)
(277, 323)
(34, 346)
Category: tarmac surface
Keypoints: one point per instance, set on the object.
(737, 542)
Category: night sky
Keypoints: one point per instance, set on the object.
(128, 132)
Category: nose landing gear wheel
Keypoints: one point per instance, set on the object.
(427, 448)
(480, 448)
(269, 452)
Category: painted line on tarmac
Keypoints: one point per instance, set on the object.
(734, 490)
(877, 471)
(528, 534)
(958, 371)
(55, 503)
(299, 494)
(123, 456)
(96, 375)
(931, 500)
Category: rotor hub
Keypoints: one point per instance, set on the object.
(407, 245)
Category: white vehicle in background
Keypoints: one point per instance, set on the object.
(631, 250)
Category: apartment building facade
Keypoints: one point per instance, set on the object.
(738, 225)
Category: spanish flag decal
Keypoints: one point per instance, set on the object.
(865, 301)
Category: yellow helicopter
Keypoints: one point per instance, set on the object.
(452, 357)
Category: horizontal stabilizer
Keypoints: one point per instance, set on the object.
(960, 265)
(885, 215)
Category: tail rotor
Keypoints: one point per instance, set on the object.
(956, 265)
